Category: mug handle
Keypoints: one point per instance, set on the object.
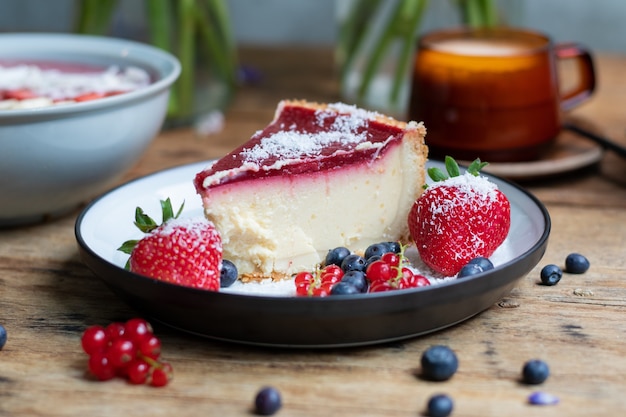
(587, 80)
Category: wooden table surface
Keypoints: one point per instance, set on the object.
(48, 297)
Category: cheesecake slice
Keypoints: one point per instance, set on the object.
(317, 177)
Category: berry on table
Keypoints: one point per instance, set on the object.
(575, 263)
(3, 336)
(439, 405)
(267, 401)
(127, 349)
(439, 363)
(535, 372)
(551, 274)
(542, 398)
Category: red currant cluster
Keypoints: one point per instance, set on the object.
(374, 273)
(389, 273)
(319, 283)
(129, 350)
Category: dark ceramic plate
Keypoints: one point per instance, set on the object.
(290, 321)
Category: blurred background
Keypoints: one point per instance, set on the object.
(598, 23)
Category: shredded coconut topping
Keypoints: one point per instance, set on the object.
(59, 85)
(475, 187)
(348, 128)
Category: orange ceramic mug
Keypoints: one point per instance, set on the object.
(494, 93)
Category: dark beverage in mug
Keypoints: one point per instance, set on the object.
(492, 94)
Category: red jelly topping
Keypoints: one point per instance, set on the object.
(304, 140)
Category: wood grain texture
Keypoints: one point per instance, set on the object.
(48, 297)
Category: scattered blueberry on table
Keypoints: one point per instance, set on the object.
(575, 263)
(3, 336)
(267, 401)
(542, 398)
(535, 371)
(440, 405)
(551, 274)
(439, 363)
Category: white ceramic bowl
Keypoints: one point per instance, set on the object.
(54, 158)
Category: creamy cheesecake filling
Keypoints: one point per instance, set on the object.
(316, 178)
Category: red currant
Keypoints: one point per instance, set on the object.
(115, 330)
(378, 271)
(121, 352)
(413, 280)
(381, 286)
(136, 330)
(94, 340)
(150, 347)
(334, 270)
(137, 371)
(161, 375)
(303, 279)
(100, 366)
(391, 258)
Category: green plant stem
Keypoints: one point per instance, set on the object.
(408, 47)
(161, 35)
(217, 40)
(378, 53)
(228, 50)
(186, 55)
(353, 32)
(94, 16)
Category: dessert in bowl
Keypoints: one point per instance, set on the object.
(56, 153)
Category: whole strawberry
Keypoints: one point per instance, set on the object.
(186, 252)
(458, 218)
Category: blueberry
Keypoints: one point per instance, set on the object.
(394, 247)
(377, 249)
(440, 405)
(357, 279)
(575, 263)
(439, 363)
(469, 269)
(336, 256)
(267, 401)
(483, 262)
(535, 372)
(228, 273)
(3, 336)
(353, 263)
(551, 274)
(371, 260)
(542, 398)
(344, 288)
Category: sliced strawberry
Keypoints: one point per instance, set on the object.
(181, 251)
(88, 97)
(19, 94)
(459, 218)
